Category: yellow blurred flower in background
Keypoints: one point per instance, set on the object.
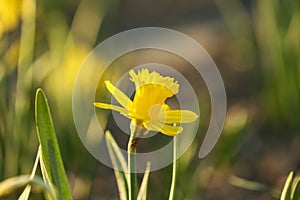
(148, 108)
(10, 12)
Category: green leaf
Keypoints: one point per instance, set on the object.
(143, 190)
(13, 184)
(51, 157)
(118, 162)
(286, 192)
(296, 191)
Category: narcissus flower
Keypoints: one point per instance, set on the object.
(148, 108)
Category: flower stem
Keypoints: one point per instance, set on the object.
(172, 189)
(136, 132)
(132, 146)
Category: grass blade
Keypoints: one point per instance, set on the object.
(10, 185)
(143, 190)
(286, 192)
(46, 177)
(296, 191)
(50, 149)
(118, 162)
(248, 185)
(25, 194)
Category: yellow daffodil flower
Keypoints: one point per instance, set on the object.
(148, 108)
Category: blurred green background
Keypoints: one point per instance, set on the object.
(255, 44)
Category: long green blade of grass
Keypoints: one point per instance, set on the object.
(50, 149)
(13, 184)
(248, 185)
(143, 189)
(118, 161)
(46, 178)
(296, 191)
(286, 192)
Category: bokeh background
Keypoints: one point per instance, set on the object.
(255, 44)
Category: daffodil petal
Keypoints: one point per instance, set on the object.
(171, 130)
(173, 116)
(180, 116)
(121, 110)
(163, 128)
(119, 95)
